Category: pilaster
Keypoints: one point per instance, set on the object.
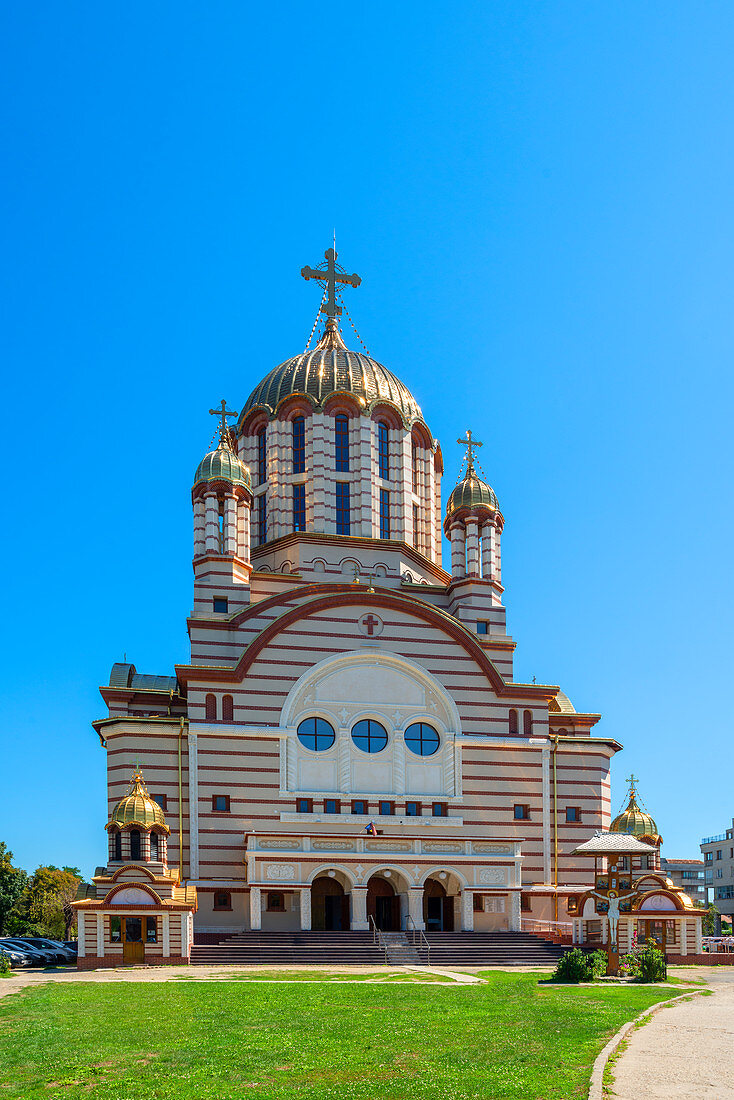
(305, 901)
(256, 909)
(193, 761)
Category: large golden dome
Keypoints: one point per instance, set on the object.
(137, 808)
(633, 820)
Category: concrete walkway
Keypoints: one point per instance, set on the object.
(686, 1051)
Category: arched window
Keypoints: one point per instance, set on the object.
(369, 735)
(262, 519)
(261, 462)
(415, 466)
(383, 449)
(341, 443)
(527, 722)
(117, 846)
(220, 525)
(316, 734)
(211, 708)
(135, 844)
(421, 739)
(154, 847)
(227, 708)
(299, 445)
(514, 726)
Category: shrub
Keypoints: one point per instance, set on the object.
(576, 966)
(599, 962)
(653, 966)
(629, 965)
(4, 965)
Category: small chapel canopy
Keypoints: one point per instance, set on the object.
(604, 844)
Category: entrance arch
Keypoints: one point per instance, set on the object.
(439, 893)
(329, 904)
(383, 904)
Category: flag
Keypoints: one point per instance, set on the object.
(371, 829)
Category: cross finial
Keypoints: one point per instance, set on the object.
(632, 780)
(328, 277)
(223, 412)
(470, 443)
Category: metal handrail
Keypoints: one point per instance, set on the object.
(378, 938)
(420, 935)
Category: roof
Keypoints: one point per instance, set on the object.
(561, 704)
(634, 820)
(328, 369)
(604, 843)
(472, 492)
(137, 807)
(672, 859)
(125, 676)
(222, 464)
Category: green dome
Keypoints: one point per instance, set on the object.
(223, 465)
(471, 493)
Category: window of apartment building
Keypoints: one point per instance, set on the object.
(299, 445)
(359, 806)
(304, 805)
(343, 520)
(341, 444)
(262, 519)
(221, 605)
(413, 809)
(719, 872)
(220, 803)
(709, 857)
(439, 809)
(383, 450)
(299, 507)
(521, 812)
(332, 806)
(573, 814)
(222, 900)
(387, 809)
(275, 901)
(718, 853)
(384, 514)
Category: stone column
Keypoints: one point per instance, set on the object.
(211, 506)
(699, 937)
(359, 909)
(199, 527)
(230, 525)
(472, 546)
(497, 557)
(467, 911)
(100, 935)
(81, 949)
(305, 909)
(185, 945)
(487, 550)
(255, 909)
(458, 551)
(243, 530)
(415, 906)
(515, 921)
(166, 935)
(193, 760)
(683, 925)
(545, 782)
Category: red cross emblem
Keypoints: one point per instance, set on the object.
(370, 624)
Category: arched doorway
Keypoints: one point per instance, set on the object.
(438, 906)
(329, 905)
(383, 904)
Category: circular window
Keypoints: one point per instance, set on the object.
(421, 739)
(369, 735)
(316, 734)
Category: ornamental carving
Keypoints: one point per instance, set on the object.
(441, 846)
(333, 845)
(498, 849)
(388, 846)
(280, 871)
(273, 844)
(493, 876)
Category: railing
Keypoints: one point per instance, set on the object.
(723, 944)
(419, 937)
(716, 839)
(563, 928)
(378, 938)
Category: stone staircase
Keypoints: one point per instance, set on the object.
(400, 951)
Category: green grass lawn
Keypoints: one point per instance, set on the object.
(127, 1041)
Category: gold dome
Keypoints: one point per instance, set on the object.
(137, 808)
(471, 493)
(633, 820)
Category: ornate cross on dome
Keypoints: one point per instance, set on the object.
(632, 780)
(329, 278)
(223, 412)
(470, 444)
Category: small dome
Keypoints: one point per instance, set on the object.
(137, 807)
(634, 821)
(471, 493)
(223, 465)
(329, 369)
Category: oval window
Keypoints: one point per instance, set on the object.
(422, 739)
(316, 734)
(369, 735)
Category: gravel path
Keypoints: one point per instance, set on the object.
(686, 1051)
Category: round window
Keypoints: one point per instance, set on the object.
(316, 734)
(369, 735)
(421, 739)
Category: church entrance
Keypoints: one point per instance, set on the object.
(133, 948)
(383, 904)
(438, 907)
(329, 905)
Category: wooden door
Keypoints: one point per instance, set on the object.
(133, 946)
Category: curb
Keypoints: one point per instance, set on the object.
(596, 1085)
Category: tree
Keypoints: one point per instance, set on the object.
(709, 920)
(13, 882)
(44, 907)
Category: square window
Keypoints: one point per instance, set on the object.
(386, 809)
(221, 605)
(275, 901)
(161, 799)
(525, 903)
(521, 813)
(439, 809)
(359, 806)
(412, 809)
(220, 803)
(332, 806)
(222, 899)
(573, 813)
(304, 805)
(483, 627)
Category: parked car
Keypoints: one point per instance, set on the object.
(60, 950)
(73, 945)
(15, 958)
(37, 954)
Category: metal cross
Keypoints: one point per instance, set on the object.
(330, 277)
(470, 445)
(633, 784)
(223, 412)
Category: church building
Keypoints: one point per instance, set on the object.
(347, 746)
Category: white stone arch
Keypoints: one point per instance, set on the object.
(393, 868)
(324, 868)
(458, 875)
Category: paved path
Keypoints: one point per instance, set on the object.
(685, 1052)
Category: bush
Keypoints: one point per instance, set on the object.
(653, 965)
(576, 966)
(4, 965)
(599, 962)
(629, 965)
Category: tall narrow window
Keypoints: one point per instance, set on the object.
(154, 846)
(415, 467)
(299, 507)
(514, 727)
(118, 846)
(211, 708)
(261, 471)
(220, 528)
(384, 514)
(383, 450)
(527, 722)
(262, 519)
(299, 445)
(342, 508)
(227, 708)
(341, 443)
(135, 844)
(416, 526)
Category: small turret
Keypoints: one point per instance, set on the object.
(137, 827)
(473, 524)
(222, 498)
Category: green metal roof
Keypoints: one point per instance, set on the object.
(471, 493)
(223, 465)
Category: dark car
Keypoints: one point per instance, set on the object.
(39, 956)
(60, 951)
(17, 956)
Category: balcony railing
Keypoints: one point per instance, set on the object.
(716, 839)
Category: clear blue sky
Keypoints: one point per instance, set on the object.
(539, 200)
